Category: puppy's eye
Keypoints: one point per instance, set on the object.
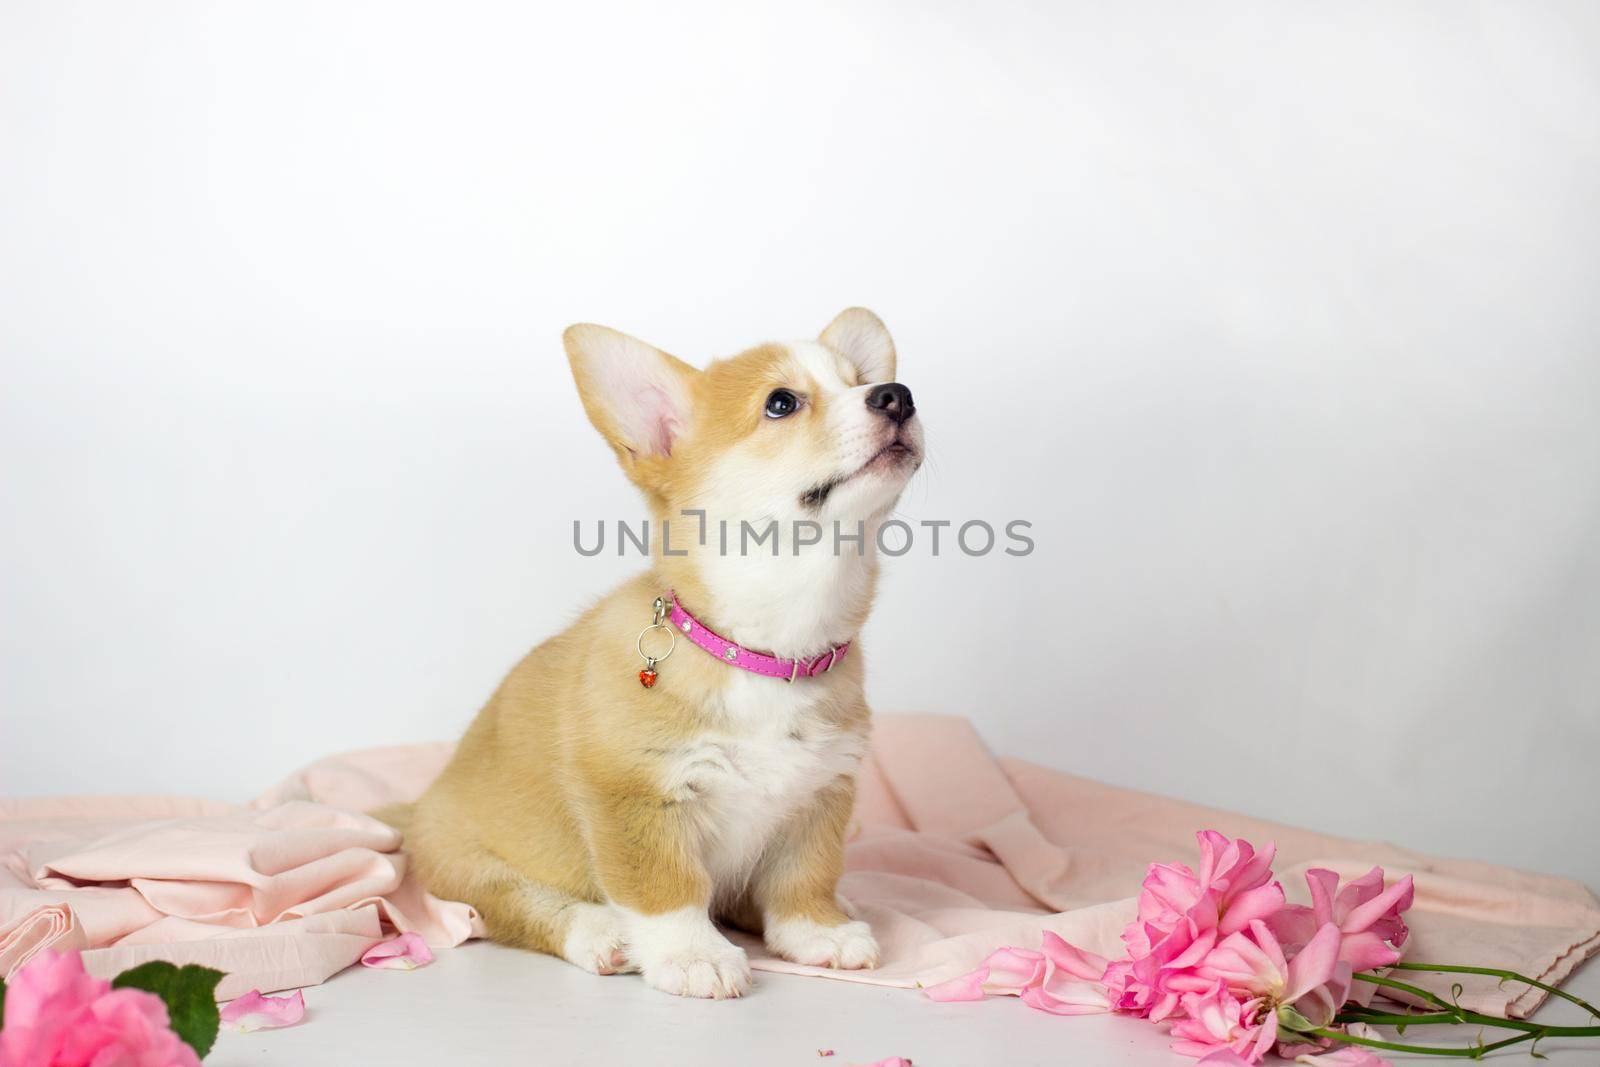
(781, 403)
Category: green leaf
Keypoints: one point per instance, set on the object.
(189, 993)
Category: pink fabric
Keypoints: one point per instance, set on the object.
(281, 893)
(755, 662)
(953, 854)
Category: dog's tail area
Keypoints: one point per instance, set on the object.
(396, 815)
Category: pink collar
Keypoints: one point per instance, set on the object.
(754, 662)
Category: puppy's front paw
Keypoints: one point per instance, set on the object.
(715, 973)
(848, 946)
(684, 954)
(595, 940)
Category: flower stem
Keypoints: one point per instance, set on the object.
(1465, 1052)
(1404, 987)
(1378, 1018)
(1504, 976)
(1353, 1014)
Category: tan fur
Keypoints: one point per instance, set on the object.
(568, 788)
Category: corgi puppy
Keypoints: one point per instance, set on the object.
(686, 751)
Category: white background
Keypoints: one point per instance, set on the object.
(1278, 321)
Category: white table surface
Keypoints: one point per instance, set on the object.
(484, 1004)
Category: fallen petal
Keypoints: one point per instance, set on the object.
(1068, 998)
(404, 953)
(1011, 970)
(1345, 1056)
(1078, 988)
(253, 1012)
(1074, 960)
(1224, 1057)
(965, 987)
(1006, 972)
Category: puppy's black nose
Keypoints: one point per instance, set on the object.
(892, 400)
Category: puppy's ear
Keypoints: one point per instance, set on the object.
(861, 337)
(637, 396)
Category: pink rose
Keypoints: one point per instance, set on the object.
(1183, 913)
(43, 1002)
(1366, 913)
(58, 1016)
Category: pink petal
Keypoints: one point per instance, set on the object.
(1224, 1057)
(1243, 961)
(1397, 897)
(253, 1011)
(1323, 1002)
(1313, 965)
(1323, 883)
(1367, 951)
(1011, 970)
(892, 1061)
(1196, 952)
(404, 953)
(1080, 998)
(1357, 891)
(1345, 1056)
(1006, 972)
(1210, 1013)
(1206, 911)
(968, 986)
(1269, 945)
(1266, 1034)
(1168, 887)
(1211, 842)
(1261, 902)
(1255, 871)
(1189, 982)
(1187, 1047)
(1303, 1047)
(1293, 924)
(1164, 1006)
(1075, 961)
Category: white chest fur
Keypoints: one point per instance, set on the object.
(769, 757)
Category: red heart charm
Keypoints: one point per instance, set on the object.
(647, 678)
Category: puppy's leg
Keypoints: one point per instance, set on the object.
(793, 888)
(521, 911)
(646, 860)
